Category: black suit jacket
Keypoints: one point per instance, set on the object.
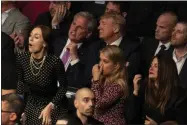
(46, 19)
(74, 73)
(9, 76)
(131, 55)
(147, 50)
(182, 75)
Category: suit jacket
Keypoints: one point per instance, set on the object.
(9, 76)
(182, 75)
(74, 73)
(16, 21)
(183, 72)
(131, 55)
(147, 50)
(46, 19)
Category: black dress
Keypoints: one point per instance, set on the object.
(41, 89)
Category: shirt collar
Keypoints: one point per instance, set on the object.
(175, 57)
(167, 45)
(7, 11)
(78, 44)
(117, 42)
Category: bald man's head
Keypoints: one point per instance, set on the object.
(84, 101)
(165, 24)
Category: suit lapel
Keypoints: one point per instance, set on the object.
(9, 19)
(60, 46)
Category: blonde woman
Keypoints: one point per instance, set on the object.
(110, 87)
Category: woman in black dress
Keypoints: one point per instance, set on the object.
(161, 94)
(38, 73)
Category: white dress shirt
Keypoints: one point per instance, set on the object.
(69, 60)
(167, 45)
(179, 62)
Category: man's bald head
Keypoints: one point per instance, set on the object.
(83, 92)
(165, 24)
(84, 101)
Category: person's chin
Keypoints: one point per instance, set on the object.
(152, 77)
(89, 113)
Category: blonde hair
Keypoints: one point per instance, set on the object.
(117, 19)
(119, 75)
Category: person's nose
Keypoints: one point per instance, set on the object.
(173, 33)
(100, 63)
(157, 29)
(99, 27)
(30, 38)
(91, 103)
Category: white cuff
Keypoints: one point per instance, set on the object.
(74, 62)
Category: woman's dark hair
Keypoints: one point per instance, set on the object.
(47, 36)
(167, 83)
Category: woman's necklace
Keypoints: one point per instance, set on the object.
(36, 65)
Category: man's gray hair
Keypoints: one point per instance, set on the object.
(89, 17)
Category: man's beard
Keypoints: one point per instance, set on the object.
(88, 112)
(179, 45)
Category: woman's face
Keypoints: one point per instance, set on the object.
(107, 65)
(36, 41)
(153, 70)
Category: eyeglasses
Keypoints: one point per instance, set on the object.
(7, 111)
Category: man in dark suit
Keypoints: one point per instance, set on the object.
(179, 42)
(9, 78)
(111, 33)
(72, 50)
(161, 43)
(59, 18)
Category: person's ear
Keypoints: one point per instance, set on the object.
(124, 14)
(117, 66)
(12, 116)
(116, 29)
(44, 45)
(76, 103)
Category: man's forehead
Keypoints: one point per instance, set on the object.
(91, 96)
(86, 95)
(180, 26)
(106, 19)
